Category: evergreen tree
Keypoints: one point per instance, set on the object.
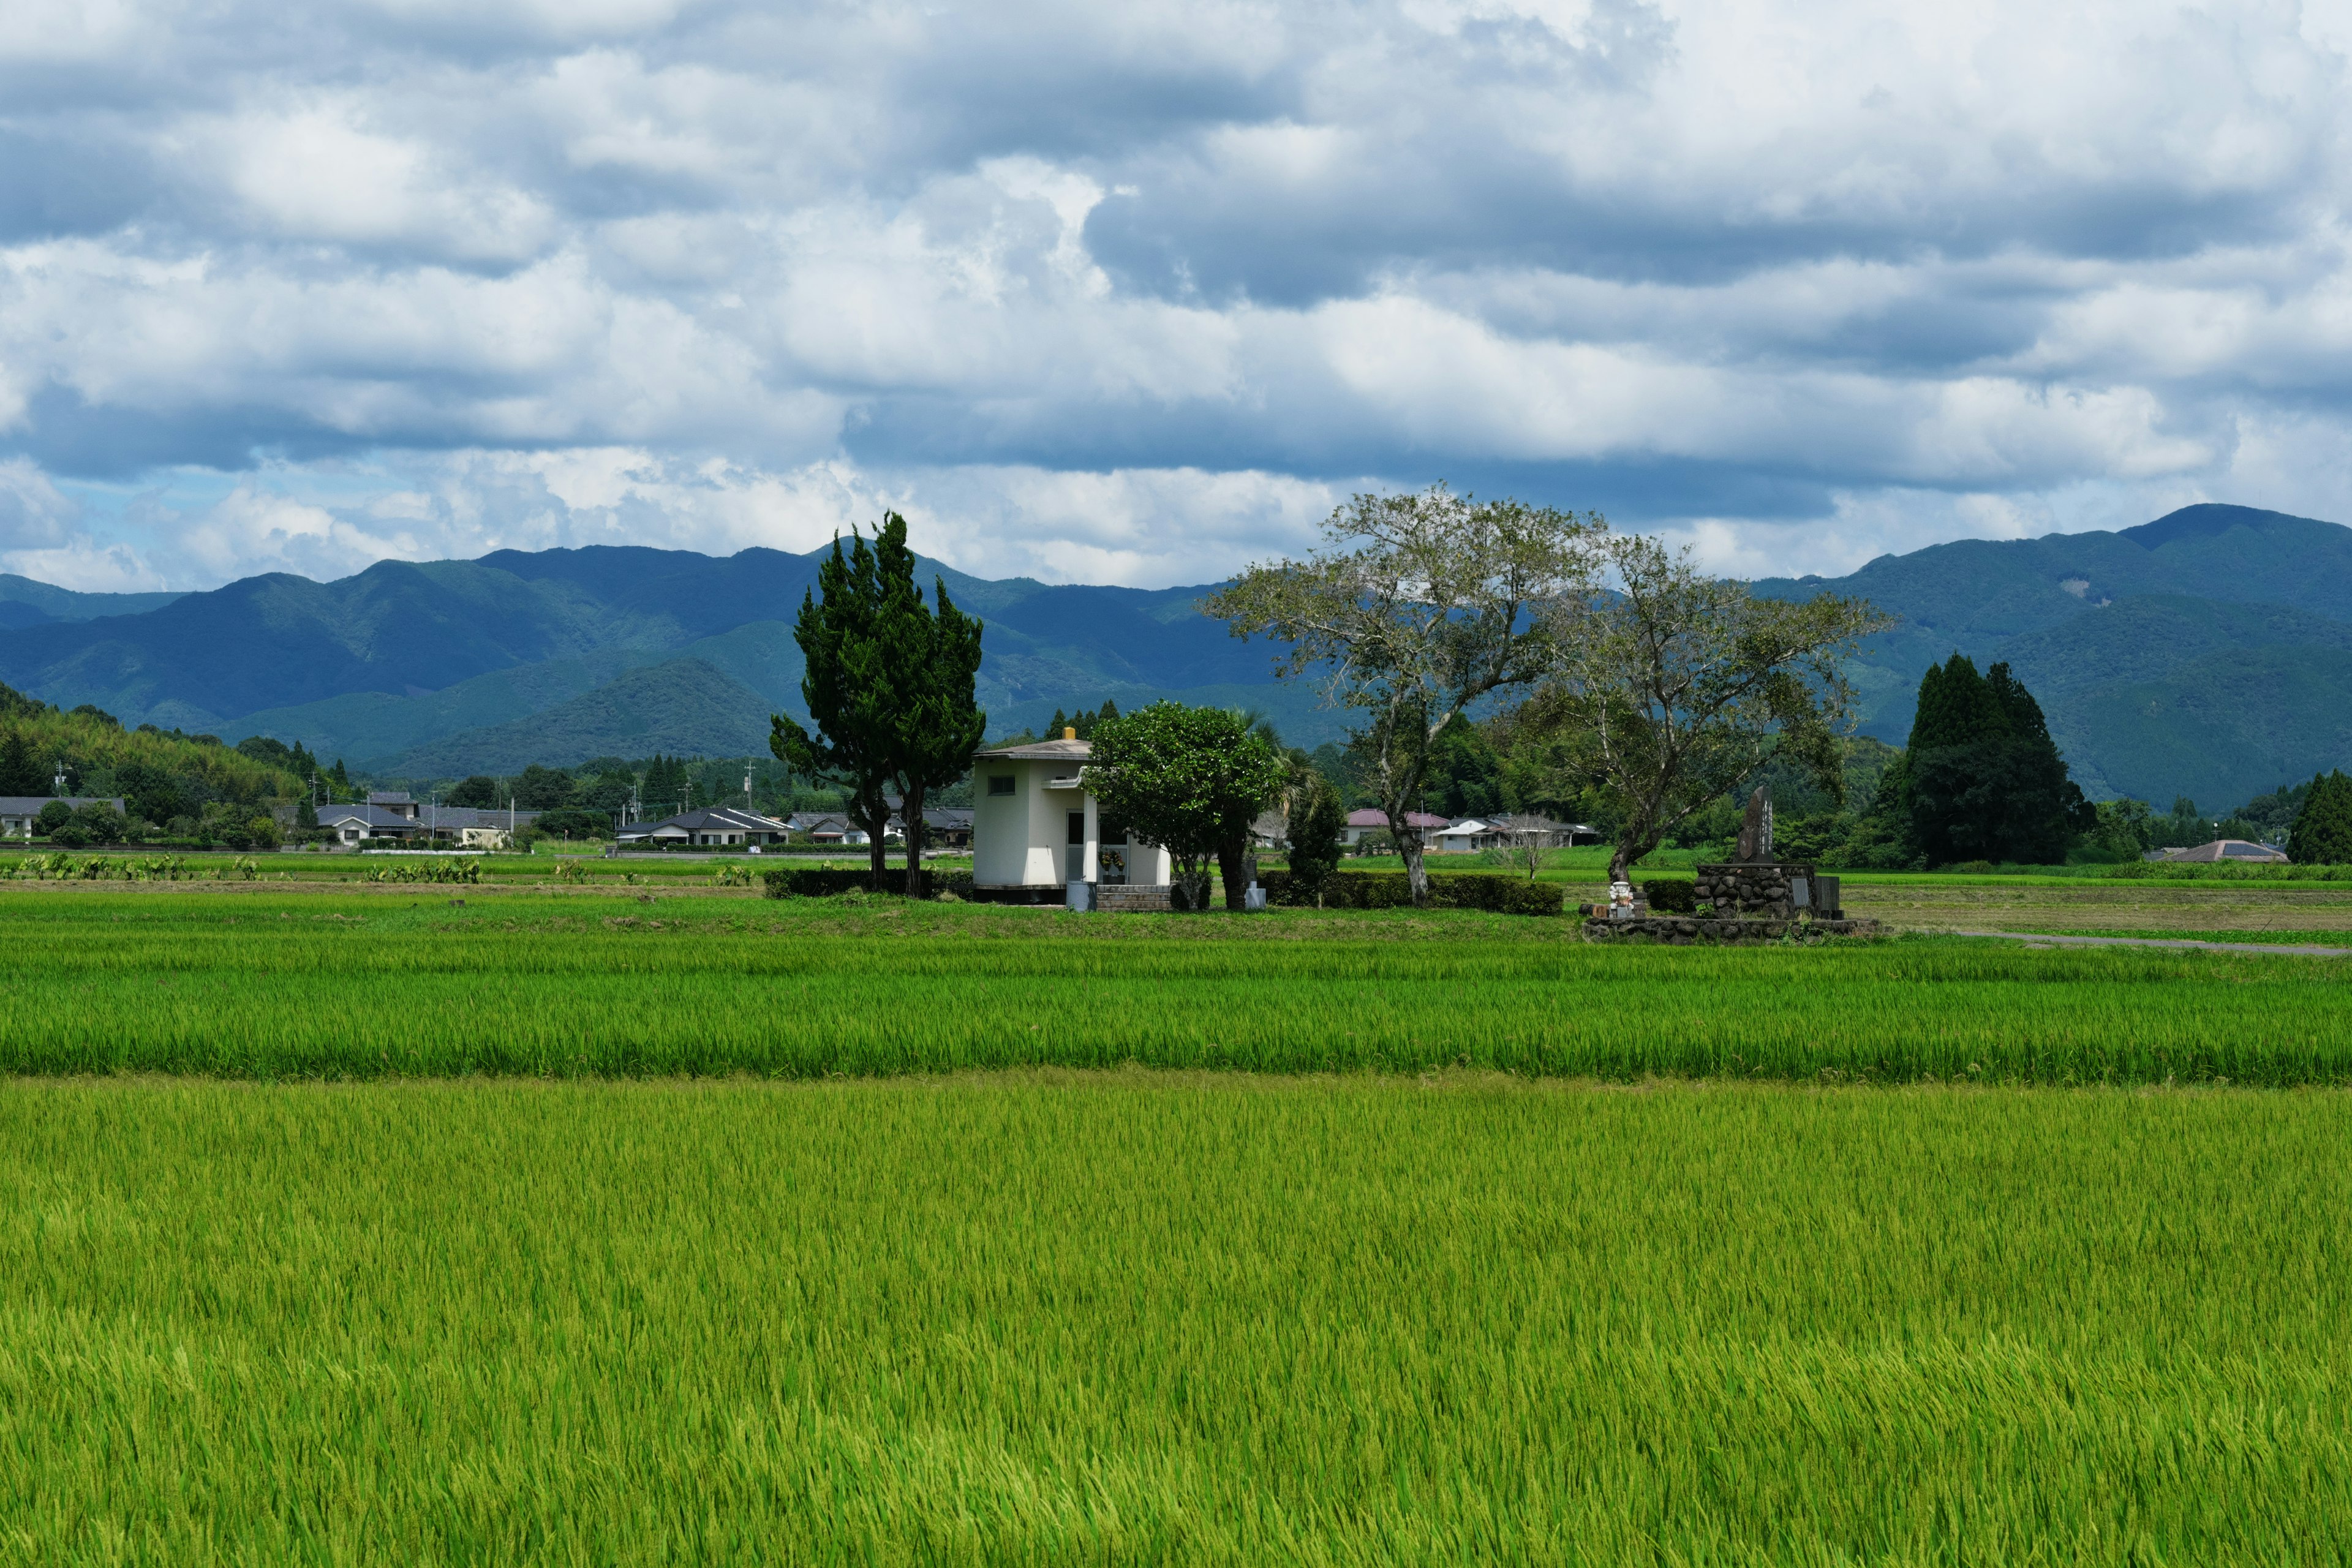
(930, 664)
(19, 774)
(2323, 829)
(1982, 779)
(845, 686)
(1315, 833)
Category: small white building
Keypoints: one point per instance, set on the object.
(1460, 838)
(1034, 827)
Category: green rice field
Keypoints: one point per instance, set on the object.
(268, 983)
(1149, 1318)
(664, 1223)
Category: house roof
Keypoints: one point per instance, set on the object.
(1044, 751)
(367, 816)
(428, 819)
(1372, 816)
(2229, 849)
(709, 819)
(30, 805)
(389, 797)
(1472, 825)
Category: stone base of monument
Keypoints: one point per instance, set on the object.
(1776, 890)
(1684, 931)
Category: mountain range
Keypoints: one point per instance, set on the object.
(436, 668)
(2208, 653)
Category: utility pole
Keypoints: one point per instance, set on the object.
(58, 787)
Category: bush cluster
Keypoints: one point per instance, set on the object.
(1672, 896)
(820, 881)
(1452, 891)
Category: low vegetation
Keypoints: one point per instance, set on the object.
(253, 982)
(1130, 1318)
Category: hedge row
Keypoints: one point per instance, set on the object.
(819, 882)
(1452, 890)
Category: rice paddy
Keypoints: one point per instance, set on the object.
(417, 984)
(348, 1226)
(1137, 1317)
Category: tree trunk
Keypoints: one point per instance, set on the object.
(1416, 874)
(878, 817)
(1620, 862)
(911, 804)
(1232, 864)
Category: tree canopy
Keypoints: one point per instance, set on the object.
(1185, 779)
(2323, 830)
(1416, 607)
(1982, 779)
(1675, 690)
(890, 684)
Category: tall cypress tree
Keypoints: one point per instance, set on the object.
(2322, 835)
(930, 661)
(1981, 778)
(846, 687)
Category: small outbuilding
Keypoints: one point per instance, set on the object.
(1035, 829)
(717, 827)
(2226, 849)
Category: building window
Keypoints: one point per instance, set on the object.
(1000, 784)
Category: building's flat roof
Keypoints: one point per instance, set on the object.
(1043, 751)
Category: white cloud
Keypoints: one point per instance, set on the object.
(1140, 291)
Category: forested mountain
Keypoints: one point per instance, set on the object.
(390, 666)
(2208, 653)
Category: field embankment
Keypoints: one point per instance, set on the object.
(420, 982)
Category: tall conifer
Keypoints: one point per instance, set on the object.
(2323, 829)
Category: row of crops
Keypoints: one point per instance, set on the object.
(274, 985)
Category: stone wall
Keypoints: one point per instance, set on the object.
(1682, 930)
(1122, 898)
(1759, 887)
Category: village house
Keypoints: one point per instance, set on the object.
(1035, 828)
(1372, 819)
(715, 827)
(386, 814)
(18, 812)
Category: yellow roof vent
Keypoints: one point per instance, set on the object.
(1069, 731)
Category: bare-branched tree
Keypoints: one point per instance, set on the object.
(1673, 689)
(1416, 607)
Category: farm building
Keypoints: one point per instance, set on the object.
(17, 811)
(1372, 819)
(399, 818)
(1035, 828)
(2221, 849)
(716, 826)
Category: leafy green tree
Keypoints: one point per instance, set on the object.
(542, 789)
(1982, 779)
(54, 816)
(2323, 830)
(1318, 821)
(479, 792)
(19, 774)
(1673, 692)
(1416, 607)
(1466, 777)
(2126, 826)
(845, 685)
(1185, 779)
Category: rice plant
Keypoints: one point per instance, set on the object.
(1126, 1319)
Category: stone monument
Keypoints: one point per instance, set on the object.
(1756, 829)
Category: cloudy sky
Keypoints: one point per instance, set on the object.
(1135, 293)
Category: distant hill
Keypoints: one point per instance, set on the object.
(391, 667)
(2208, 653)
(25, 602)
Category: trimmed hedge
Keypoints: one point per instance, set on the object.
(1450, 890)
(821, 881)
(1672, 896)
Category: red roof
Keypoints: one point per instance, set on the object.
(1372, 817)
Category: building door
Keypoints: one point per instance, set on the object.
(1076, 855)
